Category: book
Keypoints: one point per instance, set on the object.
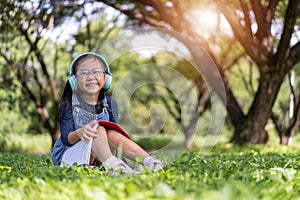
(114, 126)
(80, 152)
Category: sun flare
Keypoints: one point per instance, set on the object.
(208, 21)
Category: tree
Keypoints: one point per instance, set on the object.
(274, 54)
(22, 52)
(32, 59)
(274, 59)
(287, 122)
(197, 110)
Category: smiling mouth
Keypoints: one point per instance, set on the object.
(91, 84)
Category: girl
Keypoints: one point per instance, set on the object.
(83, 104)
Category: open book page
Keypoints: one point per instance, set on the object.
(79, 153)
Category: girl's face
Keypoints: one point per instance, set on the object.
(90, 76)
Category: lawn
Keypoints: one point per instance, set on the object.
(227, 172)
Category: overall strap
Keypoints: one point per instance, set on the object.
(75, 101)
(105, 104)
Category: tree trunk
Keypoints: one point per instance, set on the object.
(189, 133)
(286, 133)
(285, 139)
(258, 45)
(253, 128)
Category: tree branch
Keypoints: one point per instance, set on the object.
(292, 12)
(133, 15)
(271, 8)
(246, 15)
(21, 77)
(278, 126)
(294, 123)
(259, 12)
(254, 48)
(294, 56)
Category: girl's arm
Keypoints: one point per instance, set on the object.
(67, 126)
(69, 134)
(73, 137)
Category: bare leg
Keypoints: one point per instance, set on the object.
(101, 150)
(100, 146)
(130, 149)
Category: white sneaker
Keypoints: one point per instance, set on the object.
(118, 166)
(153, 164)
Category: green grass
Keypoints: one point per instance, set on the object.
(28, 143)
(249, 172)
(227, 172)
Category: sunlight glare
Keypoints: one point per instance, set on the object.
(207, 22)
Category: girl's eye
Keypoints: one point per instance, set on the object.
(97, 71)
(85, 72)
(82, 73)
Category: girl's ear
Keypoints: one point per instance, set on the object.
(107, 81)
(73, 82)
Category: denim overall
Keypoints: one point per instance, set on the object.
(81, 117)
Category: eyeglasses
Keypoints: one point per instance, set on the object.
(96, 72)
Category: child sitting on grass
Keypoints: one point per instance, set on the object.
(83, 104)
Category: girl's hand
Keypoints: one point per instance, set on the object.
(87, 132)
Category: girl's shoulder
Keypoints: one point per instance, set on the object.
(110, 101)
(112, 109)
(65, 107)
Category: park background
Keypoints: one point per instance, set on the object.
(254, 46)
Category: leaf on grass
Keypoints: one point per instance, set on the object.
(286, 174)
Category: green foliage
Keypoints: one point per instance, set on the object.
(153, 143)
(96, 25)
(14, 135)
(11, 124)
(226, 173)
(9, 97)
(26, 24)
(282, 103)
(247, 75)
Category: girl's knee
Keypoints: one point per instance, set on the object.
(101, 130)
(113, 134)
(116, 137)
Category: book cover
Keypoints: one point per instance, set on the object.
(114, 126)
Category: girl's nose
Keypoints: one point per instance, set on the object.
(90, 77)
